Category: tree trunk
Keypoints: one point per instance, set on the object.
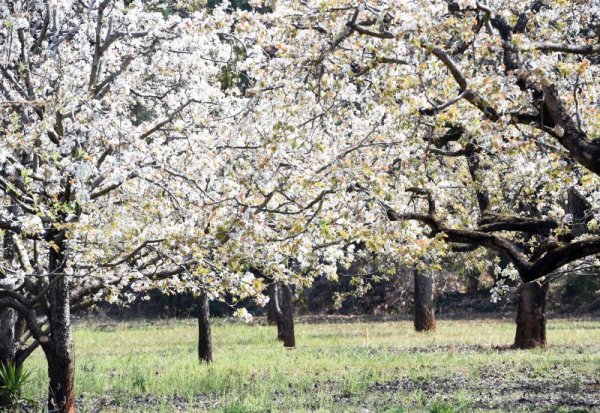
(8, 349)
(59, 349)
(204, 335)
(287, 316)
(472, 281)
(8, 345)
(424, 301)
(531, 316)
(275, 300)
(273, 312)
(579, 208)
(8, 317)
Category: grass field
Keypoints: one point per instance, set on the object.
(337, 367)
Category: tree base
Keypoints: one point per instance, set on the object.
(204, 333)
(424, 298)
(425, 320)
(287, 334)
(531, 316)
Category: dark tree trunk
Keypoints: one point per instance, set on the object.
(8, 348)
(472, 281)
(424, 301)
(8, 344)
(287, 316)
(204, 335)
(59, 348)
(579, 208)
(8, 321)
(273, 313)
(531, 316)
(275, 306)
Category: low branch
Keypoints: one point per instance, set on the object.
(28, 315)
(546, 47)
(491, 222)
(18, 229)
(367, 32)
(428, 195)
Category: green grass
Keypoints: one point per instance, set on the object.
(374, 367)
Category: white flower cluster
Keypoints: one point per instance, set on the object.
(31, 224)
(499, 291)
(467, 4)
(261, 300)
(243, 315)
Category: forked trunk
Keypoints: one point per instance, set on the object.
(59, 348)
(424, 301)
(531, 316)
(287, 316)
(204, 335)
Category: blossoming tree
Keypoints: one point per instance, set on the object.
(471, 119)
(127, 165)
(415, 128)
(96, 97)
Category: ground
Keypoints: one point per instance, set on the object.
(338, 366)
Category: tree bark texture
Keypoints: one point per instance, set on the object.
(272, 306)
(287, 319)
(8, 348)
(531, 316)
(8, 321)
(424, 301)
(579, 208)
(204, 334)
(275, 300)
(59, 348)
